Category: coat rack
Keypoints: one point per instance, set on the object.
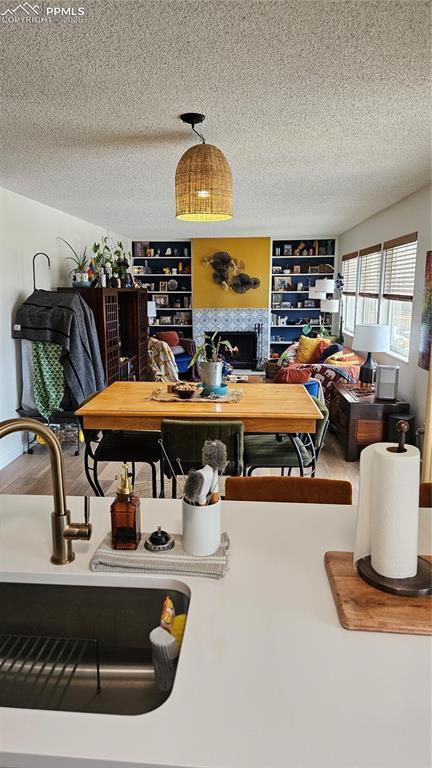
(39, 253)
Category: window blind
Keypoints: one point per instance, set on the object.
(399, 270)
(370, 271)
(349, 272)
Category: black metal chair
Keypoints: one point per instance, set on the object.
(182, 442)
(287, 451)
(120, 445)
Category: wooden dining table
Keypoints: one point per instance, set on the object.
(265, 408)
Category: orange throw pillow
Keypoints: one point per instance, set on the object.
(306, 349)
(323, 344)
(291, 376)
(169, 337)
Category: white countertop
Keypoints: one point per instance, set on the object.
(267, 676)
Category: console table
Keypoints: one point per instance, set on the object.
(359, 419)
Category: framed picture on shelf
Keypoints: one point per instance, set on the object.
(282, 283)
(314, 270)
(296, 269)
(137, 270)
(162, 301)
(309, 303)
(163, 286)
(166, 320)
(286, 304)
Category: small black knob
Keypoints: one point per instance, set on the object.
(159, 538)
(402, 427)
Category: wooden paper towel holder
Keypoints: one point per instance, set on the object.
(419, 585)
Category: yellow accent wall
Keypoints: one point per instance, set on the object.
(253, 251)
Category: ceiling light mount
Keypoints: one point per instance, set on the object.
(193, 119)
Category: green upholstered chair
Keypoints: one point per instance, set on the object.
(119, 445)
(183, 441)
(287, 451)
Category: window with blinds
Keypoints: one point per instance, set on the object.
(399, 268)
(370, 271)
(349, 272)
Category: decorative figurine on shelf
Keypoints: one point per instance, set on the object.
(329, 250)
(146, 269)
(168, 252)
(282, 321)
(316, 247)
(158, 253)
(299, 249)
(175, 252)
(166, 270)
(299, 286)
(310, 252)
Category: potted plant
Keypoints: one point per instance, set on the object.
(113, 256)
(81, 264)
(209, 359)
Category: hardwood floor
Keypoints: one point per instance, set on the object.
(30, 474)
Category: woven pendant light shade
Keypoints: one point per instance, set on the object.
(203, 184)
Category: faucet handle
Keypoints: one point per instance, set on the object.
(87, 509)
(80, 530)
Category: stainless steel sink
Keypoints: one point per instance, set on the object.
(55, 638)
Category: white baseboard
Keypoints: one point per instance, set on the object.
(10, 455)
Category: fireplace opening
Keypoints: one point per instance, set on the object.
(244, 344)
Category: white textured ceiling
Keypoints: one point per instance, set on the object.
(322, 108)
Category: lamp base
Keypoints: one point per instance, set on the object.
(368, 370)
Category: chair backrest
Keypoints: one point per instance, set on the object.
(184, 440)
(322, 425)
(306, 490)
(425, 494)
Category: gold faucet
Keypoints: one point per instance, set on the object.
(63, 531)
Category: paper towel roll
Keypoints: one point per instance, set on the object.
(388, 507)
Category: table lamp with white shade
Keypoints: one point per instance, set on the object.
(369, 339)
(151, 310)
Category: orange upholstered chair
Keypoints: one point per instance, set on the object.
(426, 494)
(307, 490)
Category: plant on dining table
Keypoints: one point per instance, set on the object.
(210, 350)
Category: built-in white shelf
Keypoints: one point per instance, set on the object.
(304, 274)
(163, 258)
(301, 325)
(185, 293)
(325, 256)
(170, 325)
(163, 274)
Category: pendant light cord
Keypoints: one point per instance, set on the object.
(198, 134)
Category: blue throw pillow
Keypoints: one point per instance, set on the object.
(329, 351)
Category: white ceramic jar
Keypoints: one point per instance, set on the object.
(201, 528)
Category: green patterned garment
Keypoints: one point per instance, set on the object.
(48, 377)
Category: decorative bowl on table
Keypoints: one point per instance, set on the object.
(184, 391)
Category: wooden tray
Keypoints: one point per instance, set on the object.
(361, 606)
